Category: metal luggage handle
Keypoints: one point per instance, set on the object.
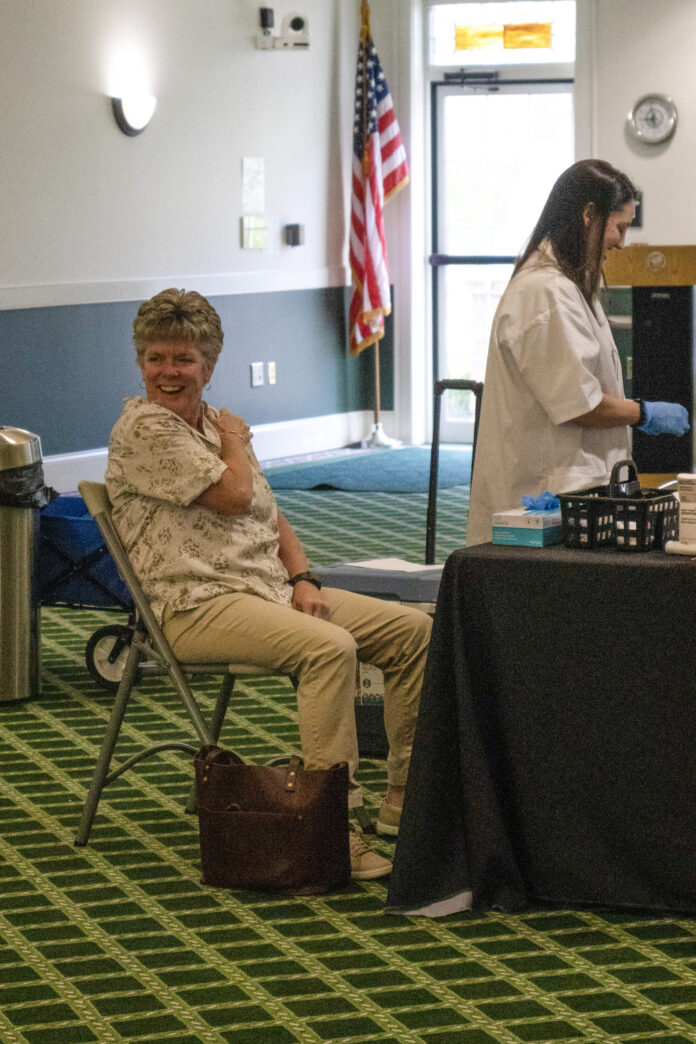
(455, 384)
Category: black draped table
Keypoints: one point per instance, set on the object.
(555, 750)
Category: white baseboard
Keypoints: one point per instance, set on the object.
(63, 471)
(311, 434)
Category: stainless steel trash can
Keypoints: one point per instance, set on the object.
(21, 480)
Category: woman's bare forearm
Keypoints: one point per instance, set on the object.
(610, 413)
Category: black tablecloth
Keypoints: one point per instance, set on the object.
(555, 750)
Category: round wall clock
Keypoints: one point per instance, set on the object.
(653, 119)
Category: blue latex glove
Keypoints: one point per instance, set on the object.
(544, 502)
(665, 418)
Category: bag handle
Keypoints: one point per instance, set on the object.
(294, 766)
(213, 755)
(628, 487)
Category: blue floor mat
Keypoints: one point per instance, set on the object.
(402, 470)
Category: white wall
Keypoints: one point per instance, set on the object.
(626, 48)
(90, 215)
(87, 213)
(644, 47)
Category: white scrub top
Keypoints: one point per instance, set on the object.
(551, 358)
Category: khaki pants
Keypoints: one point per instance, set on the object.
(322, 655)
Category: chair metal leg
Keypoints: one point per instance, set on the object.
(216, 723)
(113, 728)
(363, 818)
(221, 704)
(178, 679)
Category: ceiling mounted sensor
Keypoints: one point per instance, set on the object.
(294, 32)
(133, 112)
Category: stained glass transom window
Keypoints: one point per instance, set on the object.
(511, 32)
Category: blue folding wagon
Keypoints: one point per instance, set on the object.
(74, 569)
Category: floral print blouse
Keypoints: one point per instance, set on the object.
(184, 553)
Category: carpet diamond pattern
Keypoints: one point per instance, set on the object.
(120, 941)
(337, 526)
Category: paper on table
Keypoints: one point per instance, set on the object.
(394, 565)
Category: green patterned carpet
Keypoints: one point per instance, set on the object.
(338, 526)
(120, 940)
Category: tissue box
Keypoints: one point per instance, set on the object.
(527, 528)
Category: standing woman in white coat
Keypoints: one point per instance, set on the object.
(554, 414)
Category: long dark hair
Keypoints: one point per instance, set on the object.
(562, 222)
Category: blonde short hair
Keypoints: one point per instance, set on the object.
(179, 315)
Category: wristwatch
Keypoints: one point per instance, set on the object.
(643, 417)
(307, 575)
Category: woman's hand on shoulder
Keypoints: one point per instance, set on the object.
(227, 423)
(232, 494)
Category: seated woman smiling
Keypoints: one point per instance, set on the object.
(225, 572)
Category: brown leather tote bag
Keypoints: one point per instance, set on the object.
(272, 828)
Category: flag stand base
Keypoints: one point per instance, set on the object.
(378, 440)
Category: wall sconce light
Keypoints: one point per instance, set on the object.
(133, 112)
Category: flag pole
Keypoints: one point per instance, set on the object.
(377, 438)
(377, 390)
(380, 169)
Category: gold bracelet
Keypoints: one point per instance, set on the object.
(228, 431)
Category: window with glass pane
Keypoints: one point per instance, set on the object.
(469, 296)
(512, 32)
(501, 153)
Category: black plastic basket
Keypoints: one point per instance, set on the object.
(620, 515)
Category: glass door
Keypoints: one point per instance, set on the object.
(498, 147)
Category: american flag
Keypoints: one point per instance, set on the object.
(379, 170)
